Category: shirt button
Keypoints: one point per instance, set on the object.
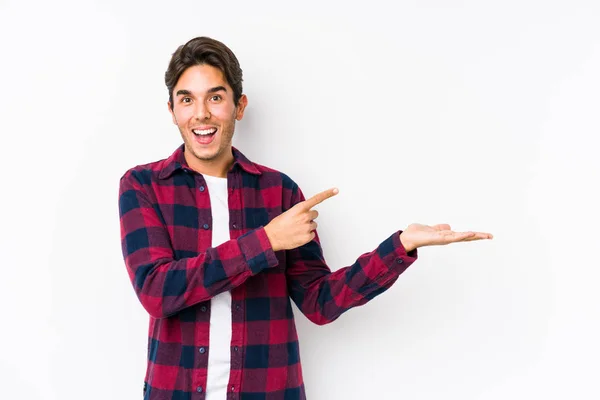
(235, 348)
(203, 308)
(399, 260)
(234, 226)
(232, 388)
(202, 188)
(205, 226)
(237, 307)
(199, 389)
(202, 350)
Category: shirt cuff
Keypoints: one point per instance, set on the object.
(413, 255)
(393, 253)
(257, 250)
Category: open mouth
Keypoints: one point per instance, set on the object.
(204, 136)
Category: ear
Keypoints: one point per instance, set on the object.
(239, 114)
(172, 113)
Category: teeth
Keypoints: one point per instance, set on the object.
(205, 131)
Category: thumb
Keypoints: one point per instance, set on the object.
(442, 227)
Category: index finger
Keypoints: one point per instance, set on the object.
(319, 198)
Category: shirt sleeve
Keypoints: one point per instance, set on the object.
(165, 285)
(322, 295)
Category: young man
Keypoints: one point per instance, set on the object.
(216, 246)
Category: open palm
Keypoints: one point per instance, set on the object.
(419, 235)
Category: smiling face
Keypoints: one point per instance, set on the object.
(204, 110)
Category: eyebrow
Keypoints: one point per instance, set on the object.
(185, 92)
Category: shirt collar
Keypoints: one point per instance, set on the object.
(176, 161)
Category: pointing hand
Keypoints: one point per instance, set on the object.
(296, 226)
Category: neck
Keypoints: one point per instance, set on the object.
(217, 167)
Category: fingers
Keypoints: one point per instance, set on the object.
(442, 227)
(480, 236)
(319, 198)
(313, 226)
(313, 214)
(459, 236)
(469, 236)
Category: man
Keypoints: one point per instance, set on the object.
(217, 246)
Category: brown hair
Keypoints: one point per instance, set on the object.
(204, 50)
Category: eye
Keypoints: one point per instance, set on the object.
(216, 97)
(186, 99)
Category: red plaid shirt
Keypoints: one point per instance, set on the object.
(166, 234)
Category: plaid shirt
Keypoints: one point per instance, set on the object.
(166, 223)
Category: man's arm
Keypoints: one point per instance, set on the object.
(322, 295)
(166, 286)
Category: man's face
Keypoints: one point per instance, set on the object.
(205, 113)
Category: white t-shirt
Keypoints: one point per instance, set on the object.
(219, 353)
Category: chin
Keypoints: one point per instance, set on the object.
(206, 155)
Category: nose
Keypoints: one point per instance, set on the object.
(202, 111)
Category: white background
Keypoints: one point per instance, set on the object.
(480, 114)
